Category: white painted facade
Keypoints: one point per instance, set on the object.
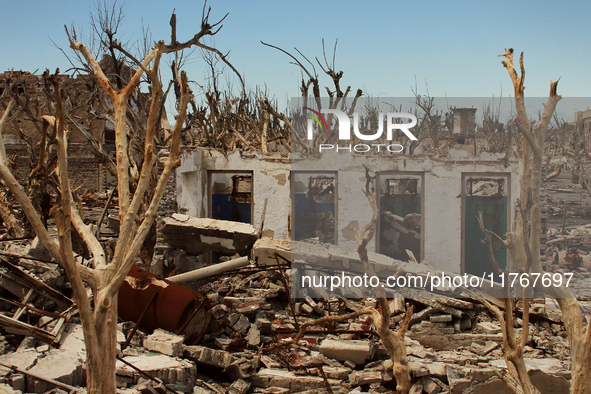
(443, 180)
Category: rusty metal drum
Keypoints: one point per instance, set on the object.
(164, 304)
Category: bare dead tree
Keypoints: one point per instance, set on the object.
(336, 97)
(104, 276)
(430, 121)
(392, 341)
(524, 242)
(513, 346)
(26, 108)
(493, 131)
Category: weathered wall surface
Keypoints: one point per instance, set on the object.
(441, 202)
(270, 181)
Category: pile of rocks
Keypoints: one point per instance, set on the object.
(453, 346)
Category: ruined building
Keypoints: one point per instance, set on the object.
(85, 111)
(427, 201)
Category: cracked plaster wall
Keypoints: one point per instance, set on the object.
(270, 181)
(442, 193)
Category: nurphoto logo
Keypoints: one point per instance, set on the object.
(345, 130)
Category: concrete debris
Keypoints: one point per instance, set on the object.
(168, 369)
(417, 388)
(360, 378)
(271, 251)
(481, 350)
(239, 387)
(164, 342)
(23, 360)
(453, 345)
(209, 357)
(6, 389)
(37, 250)
(289, 380)
(199, 235)
(254, 336)
(64, 366)
(440, 319)
(200, 390)
(355, 351)
(239, 323)
(489, 328)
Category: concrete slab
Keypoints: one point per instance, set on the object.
(198, 235)
(343, 350)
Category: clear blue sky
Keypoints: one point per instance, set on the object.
(383, 45)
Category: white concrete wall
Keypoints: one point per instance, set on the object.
(442, 194)
(270, 181)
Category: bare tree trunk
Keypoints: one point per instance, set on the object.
(513, 347)
(527, 237)
(393, 342)
(3, 120)
(100, 366)
(106, 277)
(579, 338)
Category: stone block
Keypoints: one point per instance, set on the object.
(239, 387)
(353, 350)
(210, 357)
(265, 249)
(6, 389)
(440, 319)
(338, 373)
(430, 387)
(170, 370)
(438, 370)
(489, 328)
(63, 365)
(359, 378)
(269, 362)
(18, 383)
(23, 359)
(164, 342)
(242, 324)
(418, 369)
(36, 250)
(197, 235)
(289, 380)
(416, 388)
(273, 390)
(254, 336)
(241, 369)
(201, 390)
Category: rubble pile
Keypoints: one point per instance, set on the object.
(571, 247)
(453, 345)
(568, 233)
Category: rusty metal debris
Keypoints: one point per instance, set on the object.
(176, 308)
